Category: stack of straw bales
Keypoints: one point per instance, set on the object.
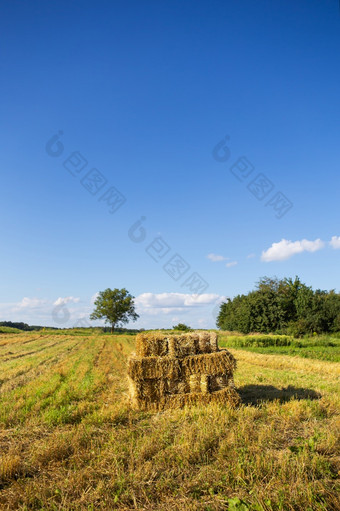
(173, 370)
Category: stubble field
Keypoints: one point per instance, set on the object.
(68, 440)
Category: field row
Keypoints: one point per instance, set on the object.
(68, 440)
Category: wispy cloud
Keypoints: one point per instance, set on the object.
(94, 297)
(335, 242)
(215, 258)
(232, 263)
(250, 256)
(175, 300)
(41, 311)
(65, 300)
(162, 310)
(29, 303)
(285, 249)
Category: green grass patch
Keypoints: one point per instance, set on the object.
(9, 330)
(256, 341)
(326, 347)
(319, 353)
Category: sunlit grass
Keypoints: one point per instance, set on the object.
(323, 347)
(68, 440)
(9, 330)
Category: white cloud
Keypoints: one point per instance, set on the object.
(216, 258)
(174, 300)
(163, 310)
(232, 263)
(94, 297)
(67, 299)
(37, 311)
(29, 303)
(335, 242)
(285, 249)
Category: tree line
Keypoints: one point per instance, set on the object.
(21, 326)
(282, 306)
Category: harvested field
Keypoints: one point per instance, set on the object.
(69, 441)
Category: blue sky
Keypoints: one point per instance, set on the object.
(144, 94)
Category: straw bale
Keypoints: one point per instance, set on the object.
(214, 341)
(199, 383)
(178, 370)
(150, 390)
(221, 362)
(227, 396)
(183, 386)
(172, 346)
(151, 344)
(158, 344)
(218, 363)
(153, 388)
(195, 382)
(172, 386)
(204, 342)
(140, 368)
(133, 390)
(204, 387)
(218, 382)
(183, 345)
(176, 386)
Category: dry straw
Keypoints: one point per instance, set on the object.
(175, 370)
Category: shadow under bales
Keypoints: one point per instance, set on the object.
(255, 394)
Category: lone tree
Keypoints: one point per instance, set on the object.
(116, 306)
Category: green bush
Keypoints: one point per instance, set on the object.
(182, 327)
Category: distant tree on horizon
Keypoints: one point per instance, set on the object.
(182, 327)
(115, 306)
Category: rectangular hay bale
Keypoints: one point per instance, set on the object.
(152, 389)
(214, 341)
(227, 396)
(205, 384)
(148, 345)
(153, 367)
(183, 345)
(204, 342)
(195, 383)
(219, 363)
